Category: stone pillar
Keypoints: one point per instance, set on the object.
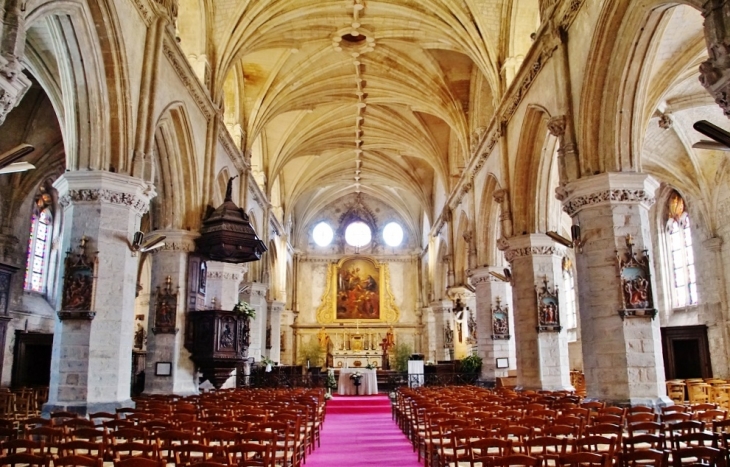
(92, 352)
(255, 294)
(222, 292)
(276, 310)
(165, 343)
(223, 284)
(622, 357)
(491, 345)
(542, 350)
(443, 324)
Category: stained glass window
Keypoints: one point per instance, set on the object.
(681, 254)
(40, 238)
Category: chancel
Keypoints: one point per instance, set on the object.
(302, 186)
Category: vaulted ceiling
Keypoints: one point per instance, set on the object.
(337, 97)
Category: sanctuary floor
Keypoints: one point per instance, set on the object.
(359, 431)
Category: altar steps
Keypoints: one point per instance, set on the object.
(359, 404)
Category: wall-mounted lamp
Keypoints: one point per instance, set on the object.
(498, 276)
(143, 245)
(575, 241)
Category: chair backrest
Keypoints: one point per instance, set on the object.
(702, 455)
(645, 458)
(643, 441)
(516, 460)
(249, 455)
(655, 428)
(29, 460)
(584, 459)
(139, 462)
(695, 439)
(77, 461)
(81, 448)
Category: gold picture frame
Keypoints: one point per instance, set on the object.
(358, 289)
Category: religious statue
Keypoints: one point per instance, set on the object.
(448, 336)
(387, 344)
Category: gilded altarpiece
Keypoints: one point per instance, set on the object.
(358, 290)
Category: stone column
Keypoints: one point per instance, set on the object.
(13, 83)
(92, 351)
(255, 294)
(223, 284)
(165, 343)
(622, 357)
(492, 346)
(276, 310)
(443, 324)
(542, 350)
(222, 292)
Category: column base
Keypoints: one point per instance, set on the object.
(85, 409)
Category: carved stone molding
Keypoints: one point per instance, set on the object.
(514, 253)
(232, 276)
(12, 91)
(608, 196)
(188, 78)
(713, 244)
(105, 196)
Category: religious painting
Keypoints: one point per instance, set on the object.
(635, 283)
(357, 289)
(165, 309)
(548, 309)
(358, 295)
(79, 280)
(500, 321)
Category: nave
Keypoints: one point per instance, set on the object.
(450, 426)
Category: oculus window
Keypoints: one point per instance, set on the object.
(393, 234)
(323, 234)
(358, 234)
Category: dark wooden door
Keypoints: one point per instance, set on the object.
(686, 352)
(32, 359)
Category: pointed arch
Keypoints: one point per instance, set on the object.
(488, 225)
(611, 120)
(88, 88)
(176, 176)
(529, 169)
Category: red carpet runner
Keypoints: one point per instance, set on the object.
(359, 431)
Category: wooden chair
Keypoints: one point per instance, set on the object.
(81, 448)
(26, 460)
(692, 456)
(22, 446)
(675, 391)
(483, 451)
(547, 448)
(138, 462)
(643, 442)
(460, 451)
(584, 459)
(193, 453)
(249, 455)
(133, 449)
(644, 458)
(77, 461)
(517, 460)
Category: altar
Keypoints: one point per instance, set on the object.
(368, 382)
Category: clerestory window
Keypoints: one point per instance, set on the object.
(681, 253)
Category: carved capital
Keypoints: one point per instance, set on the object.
(168, 8)
(608, 196)
(13, 87)
(556, 125)
(105, 196)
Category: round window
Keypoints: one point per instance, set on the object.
(393, 234)
(323, 234)
(357, 234)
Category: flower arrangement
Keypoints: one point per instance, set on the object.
(245, 309)
(327, 396)
(356, 377)
(331, 382)
(370, 366)
(266, 360)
